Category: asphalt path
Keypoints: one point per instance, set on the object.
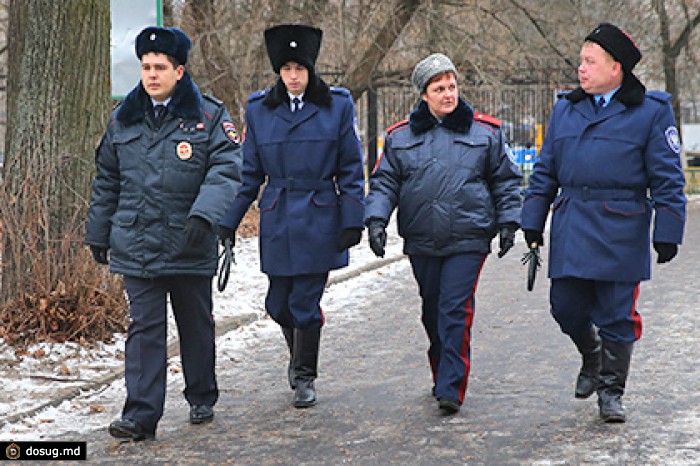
(375, 405)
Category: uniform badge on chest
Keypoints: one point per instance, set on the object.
(184, 150)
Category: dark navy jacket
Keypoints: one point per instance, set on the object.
(596, 172)
(311, 162)
(452, 181)
(149, 181)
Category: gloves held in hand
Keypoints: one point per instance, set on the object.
(225, 233)
(533, 236)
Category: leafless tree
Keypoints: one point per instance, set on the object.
(675, 36)
(58, 103)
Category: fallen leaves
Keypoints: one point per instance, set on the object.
(83, 316)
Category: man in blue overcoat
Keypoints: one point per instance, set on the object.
(610, 160)
(301, 143)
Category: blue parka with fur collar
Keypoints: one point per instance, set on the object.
(452, 181)
(151, 179)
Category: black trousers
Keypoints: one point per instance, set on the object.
(146, 345)
(448, 287)
(295, 301)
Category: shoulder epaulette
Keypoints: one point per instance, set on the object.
(661, 96)
(396, 126)
(213, 99)
(340, 91)
(487, 119)
(257, 95)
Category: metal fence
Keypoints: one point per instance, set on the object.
(522, 108)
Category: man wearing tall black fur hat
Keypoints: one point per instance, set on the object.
(301, 139)
(611, 158)
(167, 167)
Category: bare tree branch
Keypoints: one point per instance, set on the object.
(358, 77)
(526, 12)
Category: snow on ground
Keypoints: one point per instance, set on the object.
(29, 381)
(58, 371)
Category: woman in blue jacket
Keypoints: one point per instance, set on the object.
(447, 171)
(300, 141)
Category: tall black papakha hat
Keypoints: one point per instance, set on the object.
(617, 43)
(293, 42)
(170, 41)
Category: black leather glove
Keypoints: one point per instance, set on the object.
(196, 231)
(665, 251)
(533, 236)
(506, 239)
(225, 233)
(99, 253)
(349, 237)
(377, 237)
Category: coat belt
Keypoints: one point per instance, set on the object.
(587, 193)
(294, 184)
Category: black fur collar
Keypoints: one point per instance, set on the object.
(186, 102)
(317, 92)
(631, 93)
(460, 120)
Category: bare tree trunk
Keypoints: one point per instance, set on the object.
(167, 13)
(358, 77)
(217, 59)
(671, 51)
(57, 103)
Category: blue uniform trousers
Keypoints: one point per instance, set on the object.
(146, 345)
(295, 301)
(577, 303)
(447, 286)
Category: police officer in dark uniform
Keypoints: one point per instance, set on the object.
(167, 167)
(609, 147)
(300, 141)
(447, 171)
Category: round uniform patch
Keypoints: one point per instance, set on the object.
(673, 140)
(184, 150)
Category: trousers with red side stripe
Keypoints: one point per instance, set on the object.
(447, 287)
(577, 303)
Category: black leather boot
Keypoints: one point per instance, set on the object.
(306, 346)
(588, 344)
(613, 376)
(289, 337)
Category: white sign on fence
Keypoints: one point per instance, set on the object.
(129, 17)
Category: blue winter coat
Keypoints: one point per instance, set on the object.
(311, 162)
(596, 171)
(150, 180)
(452, 181)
